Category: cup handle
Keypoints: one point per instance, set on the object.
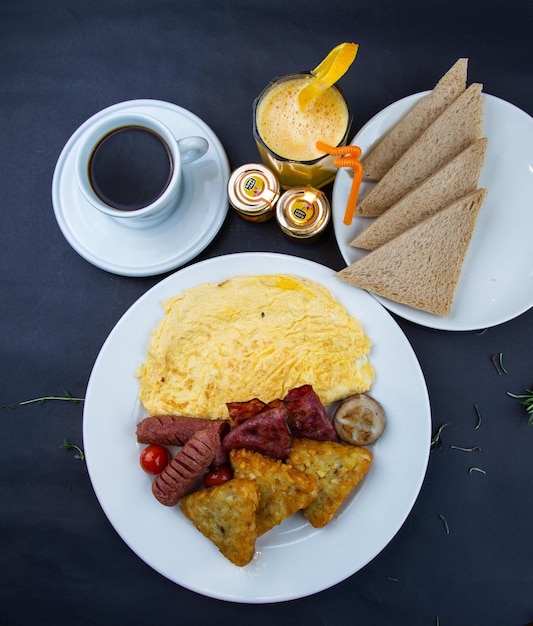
(192, 148)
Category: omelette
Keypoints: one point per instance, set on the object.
(252, 336)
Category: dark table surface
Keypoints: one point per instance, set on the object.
(61, 561)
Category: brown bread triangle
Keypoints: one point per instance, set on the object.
(389, 149)
(453, 181)
(460, 125)
(422, 266)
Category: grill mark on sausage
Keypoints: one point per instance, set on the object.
(179, 475)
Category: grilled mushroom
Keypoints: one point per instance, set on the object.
(359, 420)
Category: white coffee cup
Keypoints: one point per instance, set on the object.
(180, 152)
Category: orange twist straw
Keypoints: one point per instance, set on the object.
(348, 157)
(354, 151)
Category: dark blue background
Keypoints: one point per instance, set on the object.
(61, 61)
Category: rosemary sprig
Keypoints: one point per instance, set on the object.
(436, 440)
(478, 416)
(69, 445)
(446, 527)
(526, 400)
(67, 396)
(497, 361)
(472, 449)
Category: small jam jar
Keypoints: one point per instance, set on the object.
(303, 213)
(253, 191)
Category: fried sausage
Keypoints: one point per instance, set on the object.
(180, 474)
(175, 430)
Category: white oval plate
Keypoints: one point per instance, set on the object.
(294, 559)
(496, 283)
(202, 208)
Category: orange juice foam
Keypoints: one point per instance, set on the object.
(292, 133)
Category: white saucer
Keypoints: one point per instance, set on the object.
(147, 252)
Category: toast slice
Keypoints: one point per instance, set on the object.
(454, 180)
(460, 125)
(389, 149)
(421, 267)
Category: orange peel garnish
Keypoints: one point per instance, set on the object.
(328, 72)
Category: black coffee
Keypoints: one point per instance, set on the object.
(130, 168)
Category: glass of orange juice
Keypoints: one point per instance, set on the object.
(286, 135)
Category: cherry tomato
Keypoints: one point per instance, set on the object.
(217, 476)
(154, 458)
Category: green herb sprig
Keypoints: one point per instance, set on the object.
(478, 413)
(462, 449)
(436, 440)
(69, 445)
(526, 400)
(67, 396)
(445, 523)
(497, 361)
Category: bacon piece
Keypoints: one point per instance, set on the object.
(275, 403)
(180, 474)
(267, 432)
(307, 416)
(239, 412)
(175, 430)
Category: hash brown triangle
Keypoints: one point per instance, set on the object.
(337, 468)
(226, 515)
(283, 490)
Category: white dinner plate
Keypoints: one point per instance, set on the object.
(496, 283)
(118, 249)
(294, 559)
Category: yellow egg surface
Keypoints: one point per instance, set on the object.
(252, 336)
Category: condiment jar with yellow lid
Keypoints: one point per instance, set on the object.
(253, 191)
(303, 213)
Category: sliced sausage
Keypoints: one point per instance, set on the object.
(308, 418)
(267, 432)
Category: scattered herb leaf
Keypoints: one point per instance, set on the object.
(67, 396)
(478, 416)
(497, 360)
(436, 440)
(476, 469)
(69, 445)
(472, 449)
(526, 400)
(393, 579)
(446, 527)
